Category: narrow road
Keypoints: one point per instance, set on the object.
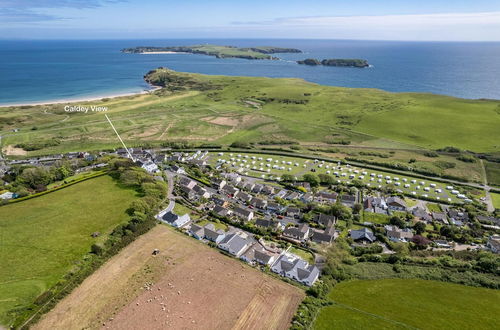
(487, 197)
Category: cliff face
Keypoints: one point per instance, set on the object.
(355, 63)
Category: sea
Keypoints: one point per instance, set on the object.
(45, 71)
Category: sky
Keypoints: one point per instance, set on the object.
(422, 20)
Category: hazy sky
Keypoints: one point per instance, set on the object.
(449, 20)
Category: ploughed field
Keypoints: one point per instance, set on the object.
(223, 109)
(41, 238)
(406, 303)
(188, 285)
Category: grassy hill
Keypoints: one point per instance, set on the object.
(42, 238)
(222, 109)
(398, 303)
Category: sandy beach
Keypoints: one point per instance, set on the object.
(81, 99)
(165, 52)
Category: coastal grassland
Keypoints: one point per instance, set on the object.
(224, 109)
(403, 303)
(42, 238)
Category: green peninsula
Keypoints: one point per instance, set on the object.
(250, 53)
(345, 62)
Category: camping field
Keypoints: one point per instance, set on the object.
(272, 167)
(409, 303)
(41, 238)
(188, 285)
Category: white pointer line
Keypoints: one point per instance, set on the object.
(123, 143)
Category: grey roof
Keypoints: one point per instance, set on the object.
(262, 256)
(324, 219)
(235, 242)
(361, 234)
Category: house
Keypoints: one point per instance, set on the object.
(221, 211)
(177, 169)
(291, 266)
(159, 159)
(307, 197)
(188, 192)
(268, 224)
(440, 216)
(396, 204)
(325, 197)
(494, 244)
(268, 190)
(219, 201)
(248, 186)
(348, 200)
(212, 234)
(234, 244)
(281, 194)
(233, 177)
(243, 213)
(197, 232)
(201, 192)
(293, 212)
(149, 166)
(244, 197)
(325, 220)
(263, 257)
(300, 233)
(218, 183)
(375, 205)
(325, 236)
(421, 214)
(198, 162)
(458, 216)
(364, 236)
(257, 188)
(293, 195)
(488, 219)
(259, 203)
(175, 220)
(186, 182)
(396, 234)
(230, 190)
(275, 208)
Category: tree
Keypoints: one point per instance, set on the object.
(287, 177)
(326, 179)
(357, 208)
(313, 179)
(35, 176)
(341, 211)
(397, 221)
(419, 227)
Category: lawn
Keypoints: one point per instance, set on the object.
(433, 207)
(496, 200)
(409, 303)
(492, 173)
(42, 238)
(181, 209)
(306, 255)
(217, 225)
(376, 218)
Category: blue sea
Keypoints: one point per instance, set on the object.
(36, 71)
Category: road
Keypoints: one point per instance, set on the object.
(488, 201)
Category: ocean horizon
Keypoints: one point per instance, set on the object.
(40, 71)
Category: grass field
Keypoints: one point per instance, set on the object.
(398, 303)
(217, 225)
(433, 207)
(495, 197)
(492, 173)
(290, 109)
(192, 286)
(306, 255)
(41, 238)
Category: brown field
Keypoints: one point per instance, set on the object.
(13, 151)
(187, 286)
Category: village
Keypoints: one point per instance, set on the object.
(273, 212)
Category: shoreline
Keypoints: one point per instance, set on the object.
(81, 99)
